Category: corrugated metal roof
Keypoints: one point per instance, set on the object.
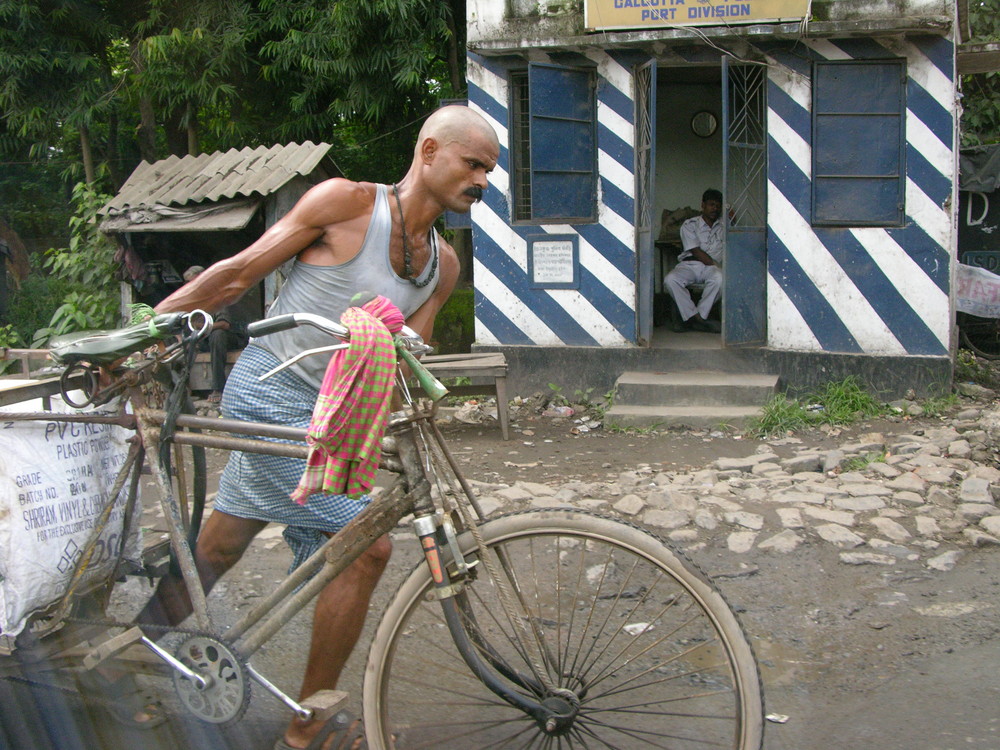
(212, 177)
(220, 216)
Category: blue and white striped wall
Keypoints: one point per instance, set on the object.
(864, 290)
(602, 311)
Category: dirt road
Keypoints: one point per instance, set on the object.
(896, 650)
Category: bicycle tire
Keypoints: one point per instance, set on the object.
(684, 677)
(981, 335)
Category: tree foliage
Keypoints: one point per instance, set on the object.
(87, 268)
(88, 88)
(981, 91)
(111, 81)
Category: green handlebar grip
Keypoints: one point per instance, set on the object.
(104, 347)
(431, 385)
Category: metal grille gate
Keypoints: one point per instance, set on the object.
(747, 156)
(744, 116)
(645, 159)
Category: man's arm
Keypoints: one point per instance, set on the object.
(692, 243)
(698, 254)
(323, 207)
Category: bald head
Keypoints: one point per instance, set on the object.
(455, 153)
(454, 123)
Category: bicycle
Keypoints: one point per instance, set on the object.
(981, 335)
(544, 628)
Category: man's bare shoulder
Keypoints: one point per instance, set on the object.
(336, 200)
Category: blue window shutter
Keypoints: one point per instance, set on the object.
(563, 143)
(858, 143)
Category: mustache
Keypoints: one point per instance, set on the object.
(476, 193)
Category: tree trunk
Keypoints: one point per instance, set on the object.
(176, 133)
(146, 132)
(192, 132)
(87, 154)
(457, 29)
(111, 151)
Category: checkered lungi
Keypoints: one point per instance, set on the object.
(257, 486)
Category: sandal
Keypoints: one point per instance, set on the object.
(135, 705)
(343, 729)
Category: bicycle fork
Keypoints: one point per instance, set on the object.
(553, 709)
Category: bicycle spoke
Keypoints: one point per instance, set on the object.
(664, 701)
(508, 634)
(644, 735)
(605, 567)
(611, 664)
(564, 657)
(618, 687)
(464, 674)
(442, 741)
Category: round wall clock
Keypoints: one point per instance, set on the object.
(704, 123)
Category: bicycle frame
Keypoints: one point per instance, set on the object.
(410, 493)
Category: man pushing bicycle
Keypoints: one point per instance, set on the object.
(344, 237)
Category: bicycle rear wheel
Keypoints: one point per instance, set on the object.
(981, 335)
(635, 639)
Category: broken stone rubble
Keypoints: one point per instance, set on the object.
(932, 496)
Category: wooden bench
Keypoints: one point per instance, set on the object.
(201, 369)
(484, 366)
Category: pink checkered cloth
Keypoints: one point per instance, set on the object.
(352, 410)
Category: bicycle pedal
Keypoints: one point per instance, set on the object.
(324, 703)
(112, 647)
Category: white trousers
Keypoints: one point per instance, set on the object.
(689, 272)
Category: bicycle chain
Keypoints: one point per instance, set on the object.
(91, 698)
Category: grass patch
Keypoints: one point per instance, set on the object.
(860, 463)
(837, 403)
(780, 414)
(939, 405)
(634, 429)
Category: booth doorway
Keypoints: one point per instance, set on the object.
(702, 127)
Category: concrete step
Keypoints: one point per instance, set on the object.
(699, 417)
(694, 388)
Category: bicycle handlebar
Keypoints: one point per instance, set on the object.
(409, 345)
(413, 341)
(291, 320)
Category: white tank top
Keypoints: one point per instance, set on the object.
(327, 291)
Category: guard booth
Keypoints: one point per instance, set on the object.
(831, 129)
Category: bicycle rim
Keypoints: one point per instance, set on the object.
(641, 647)
(981, 335)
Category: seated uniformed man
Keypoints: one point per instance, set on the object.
(700, 262)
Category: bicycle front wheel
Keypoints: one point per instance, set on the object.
(632, 640)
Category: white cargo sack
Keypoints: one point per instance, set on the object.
(55, 481)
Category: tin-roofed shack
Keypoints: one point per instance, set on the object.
(196, 210)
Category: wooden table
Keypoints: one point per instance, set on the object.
(484, 366)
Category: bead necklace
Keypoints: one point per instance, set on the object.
(407, 259)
